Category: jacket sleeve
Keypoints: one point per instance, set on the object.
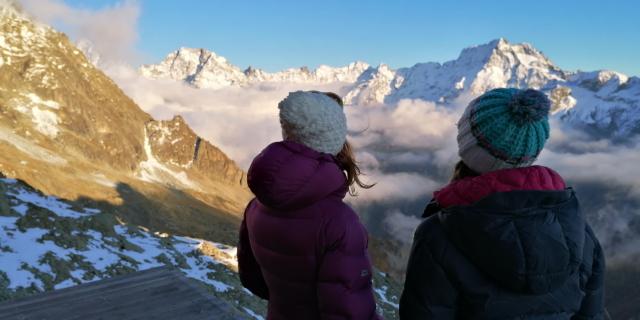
(345, 288)
(428, 292)
(248, 268)
(592, 307)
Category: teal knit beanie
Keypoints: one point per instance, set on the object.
(504, 128)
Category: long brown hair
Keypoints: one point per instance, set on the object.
(462, 171)
(347, 159)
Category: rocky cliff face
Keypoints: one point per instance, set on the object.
(52, 96)
(68, 130)
(174, 143)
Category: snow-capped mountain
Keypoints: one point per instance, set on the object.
(477, 69)
(199, 67)
(205, 69)
(603, 102)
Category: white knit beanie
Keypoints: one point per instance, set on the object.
(314, 120)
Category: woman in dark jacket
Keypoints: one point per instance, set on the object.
(301, 247)
(505, 239)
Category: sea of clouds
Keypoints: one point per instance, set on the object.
(407, 148)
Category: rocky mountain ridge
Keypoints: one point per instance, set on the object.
(205, 69)
(68, 130)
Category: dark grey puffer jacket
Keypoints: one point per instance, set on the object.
(510, 255)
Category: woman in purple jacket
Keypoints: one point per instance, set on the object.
(301, 247)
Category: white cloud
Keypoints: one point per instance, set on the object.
(112, 30)
(395, 186)
(412, 124)
(401, 226)
(609, 163)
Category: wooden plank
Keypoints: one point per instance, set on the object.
(129, 304)
(160, 293)
(85, 288)
(89, 293)
(124, 299)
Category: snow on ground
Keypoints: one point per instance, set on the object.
(253, 314)
(41, 248)
(50, 203)
(198, 269)
(36, 100)
(381, 292)
(46, 122)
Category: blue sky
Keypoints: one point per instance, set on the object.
(273, 35)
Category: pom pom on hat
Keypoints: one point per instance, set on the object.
(529, 105)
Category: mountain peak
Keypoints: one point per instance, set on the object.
(197, 55)
(199, 67)
(501, 46)
(203, 68)
(482, 52)
(500, 42)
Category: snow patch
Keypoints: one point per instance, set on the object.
(253, 314)
(50, 203)
(65, 284)
(382, 295)
(46, 122)
(35, 99)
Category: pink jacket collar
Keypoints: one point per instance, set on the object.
(470, 190)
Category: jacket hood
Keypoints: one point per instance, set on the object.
(526, 231)
(287, 175)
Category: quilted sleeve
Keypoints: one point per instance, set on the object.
(248, 268)
(592, 307)
(344, 275)
(428, 293)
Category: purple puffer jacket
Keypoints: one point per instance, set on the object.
(300, 246)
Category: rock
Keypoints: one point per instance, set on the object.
(5, 210)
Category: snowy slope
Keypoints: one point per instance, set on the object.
(606, 103)
(48, 244)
